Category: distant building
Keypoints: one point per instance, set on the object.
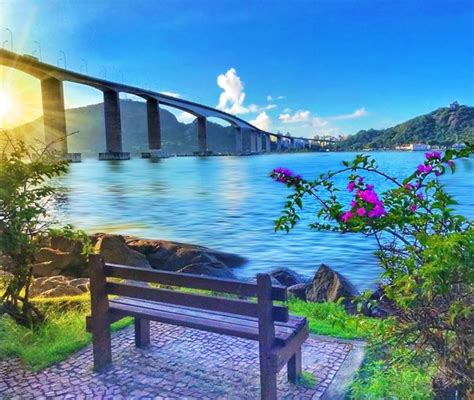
(413, 147)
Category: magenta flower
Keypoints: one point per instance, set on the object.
(368, 196)
(361, 211)
(369, 187)
(351, 186)
(420, 168)
(428, 169)
(347, 216)
(361, 180)
(451, 163)
(438, 173)
(413, 208)
(353, 204)
(378, 211)
(409, 186)
(420, 196)
(418, 184)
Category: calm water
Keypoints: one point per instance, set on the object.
(230, 203)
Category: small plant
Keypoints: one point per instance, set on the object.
(307, 380)
(425, 250)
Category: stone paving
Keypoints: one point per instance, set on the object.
(181, 363)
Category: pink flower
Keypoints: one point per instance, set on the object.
(361, 211)
(377, 211)
(347, 216)
(451, 163)
(351, 186)
(413, 208)
(409, 186)
(435, 155)
(369, 187)
(420, 168)
(428, 169)
(368, 196)
(353, 204)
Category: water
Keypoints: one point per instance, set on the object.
(230, 204)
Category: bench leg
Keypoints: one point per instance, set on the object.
(294, 366)
(102, 346)
(268, 380)
(142, 332)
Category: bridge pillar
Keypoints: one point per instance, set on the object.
(259, 139)
(291, 144)
(267, 144)
(54, 116)
(239, 144)
(202, 136)
(154, 130)
(113, 128)
(253, 141)
(279, 143)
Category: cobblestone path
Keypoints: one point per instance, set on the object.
(181, 363)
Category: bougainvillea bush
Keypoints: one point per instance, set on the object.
(425, 249)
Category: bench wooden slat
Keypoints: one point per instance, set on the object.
(200, 319)
(285, 330)
(240, 307)
(191, 281)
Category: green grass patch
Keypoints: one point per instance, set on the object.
(62, 334)
(307, 380)
(331, 319)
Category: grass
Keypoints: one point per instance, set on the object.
(307, 380)
(62, 334)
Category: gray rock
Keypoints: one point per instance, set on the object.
(57, 286)
(299, 290)
(214, 269)
(114, 249)
(329, 285)
(286, 277)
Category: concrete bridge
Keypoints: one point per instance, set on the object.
(248, 138)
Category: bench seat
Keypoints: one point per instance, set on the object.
(211, 321)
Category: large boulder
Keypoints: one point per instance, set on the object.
(57, 286)
(173, 256)
(114, 250)
(51, 261)
(214, 269)
(329, 285)
(298, 291)
(286, 277)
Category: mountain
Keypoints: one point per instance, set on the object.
(442, 127)
(89, 139)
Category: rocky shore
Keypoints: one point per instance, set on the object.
(61, 269)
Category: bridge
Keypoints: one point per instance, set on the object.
(248, 138)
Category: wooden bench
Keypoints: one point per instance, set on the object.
(280, 336)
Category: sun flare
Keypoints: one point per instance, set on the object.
(6, 104)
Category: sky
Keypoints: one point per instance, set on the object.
(305, 67)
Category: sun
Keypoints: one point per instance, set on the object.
(6, 104)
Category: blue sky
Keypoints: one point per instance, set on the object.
(308, 67)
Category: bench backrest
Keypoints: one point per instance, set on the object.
(263, 290)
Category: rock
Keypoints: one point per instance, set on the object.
(299, 290)
(286, 277)
(214, 269)
(65, 244)
(329, 285)
(173, 256)
(57, 286)
(114, 249)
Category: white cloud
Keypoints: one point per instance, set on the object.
(298, 116)
(272, 98)
(232, 98)
(360, 112)
(269, 98)
(280, 97)
(185, 117)
(263, 121)
(255, 108)
(172, 94)
(287, 110)
(318, 122)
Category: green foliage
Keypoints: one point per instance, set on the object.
(61, 334)
(442, 127)
(425, 249)
(331, 319)
(378, 379)
(307, 380)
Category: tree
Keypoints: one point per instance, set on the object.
(425, 250)
(27, 196)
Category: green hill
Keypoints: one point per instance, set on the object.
(177, 137)
(442, 127)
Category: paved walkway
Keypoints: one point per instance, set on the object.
(181, 363)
